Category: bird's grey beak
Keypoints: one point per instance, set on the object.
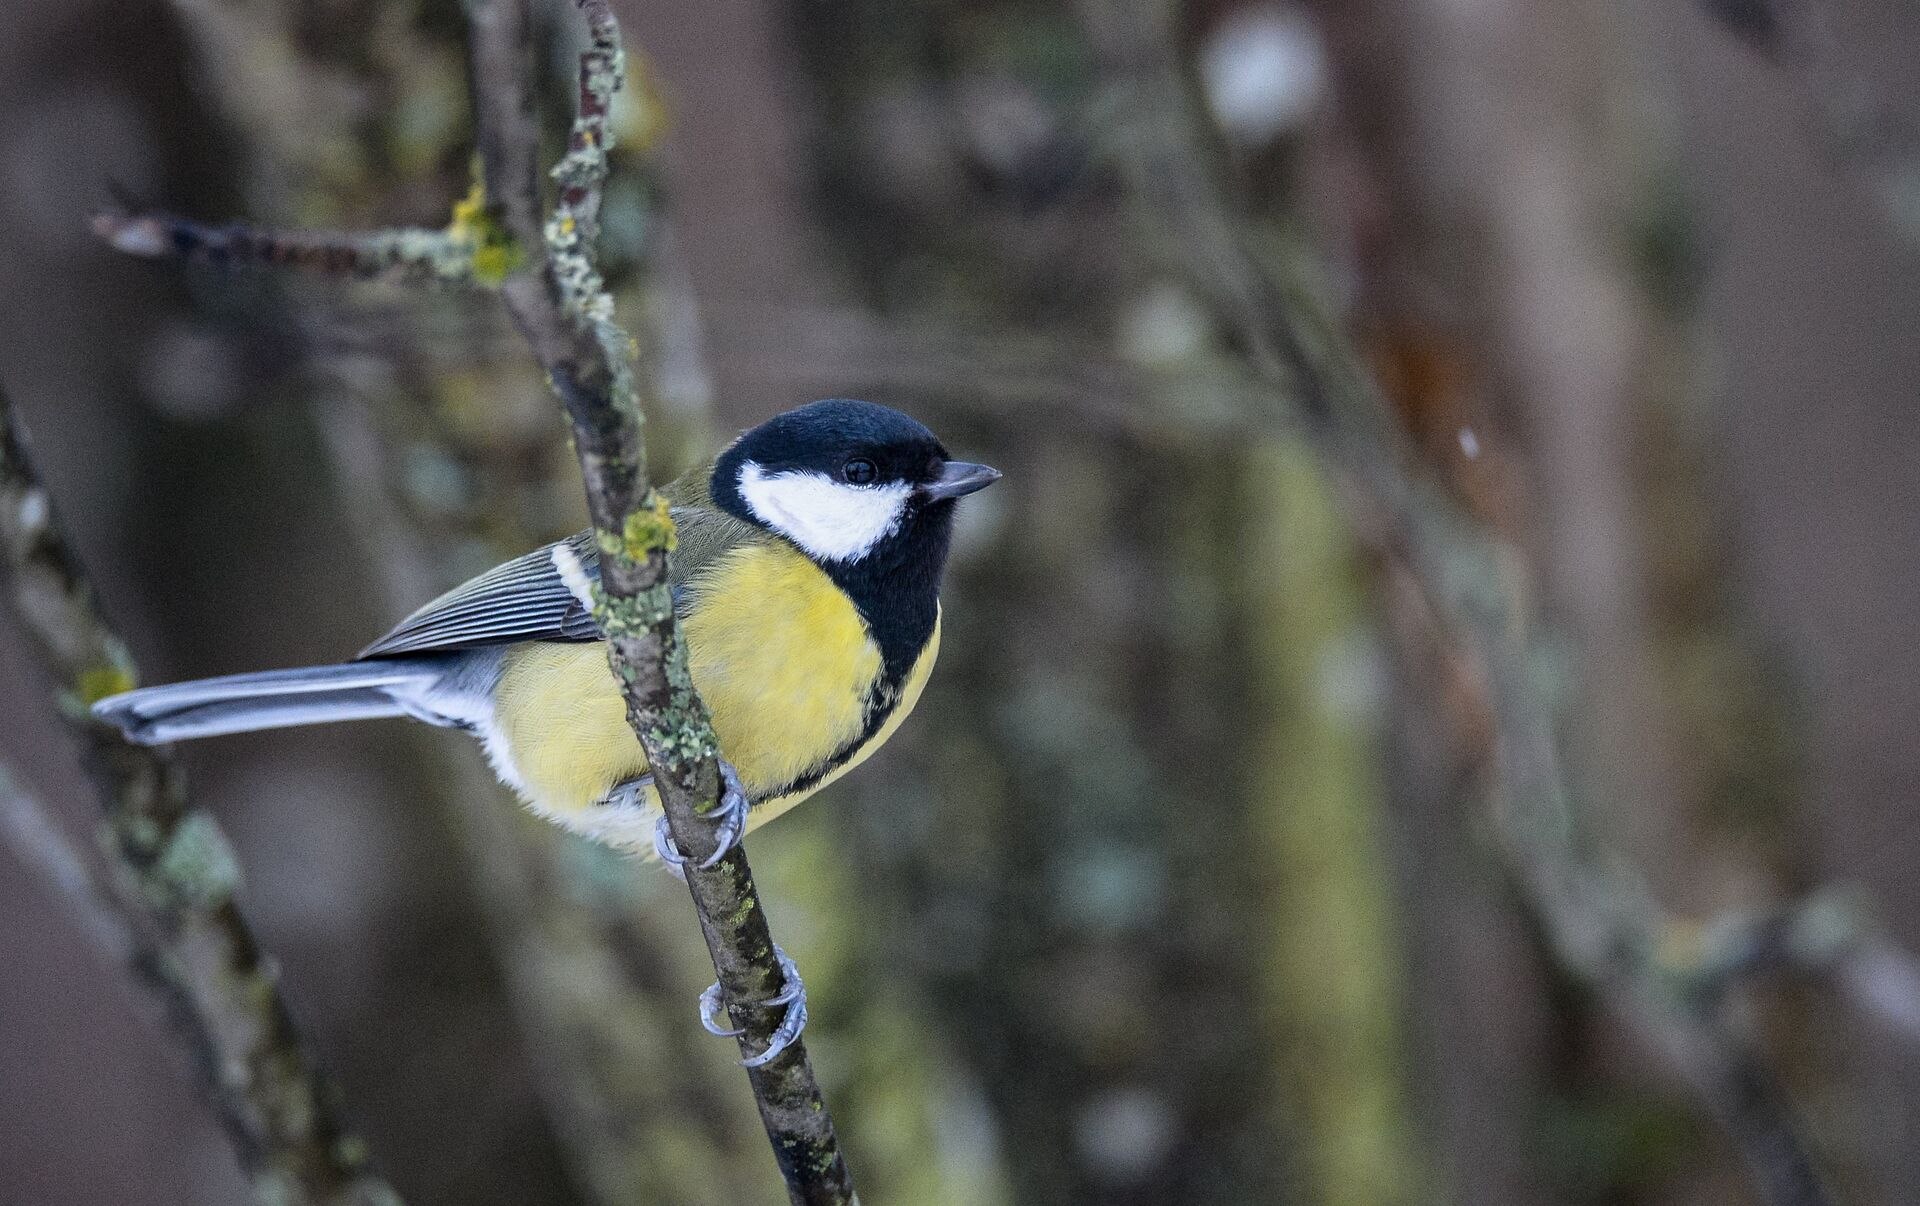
(959, 478)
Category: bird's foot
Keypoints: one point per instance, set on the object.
(628, 793)
(792, 994)
(730, 824)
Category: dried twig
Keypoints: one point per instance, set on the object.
(1604, 925)
(470, 250)
(175, 873)
(566, 316)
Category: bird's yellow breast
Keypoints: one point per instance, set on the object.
(782, 659)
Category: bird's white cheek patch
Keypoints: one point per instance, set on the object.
(831, 520)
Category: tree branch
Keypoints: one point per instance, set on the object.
(176, 874)
(566, 316)
(585, 950)
(471, 250)
(1825, 936)
(1603, 923)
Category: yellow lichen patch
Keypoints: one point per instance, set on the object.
(651, 528)
(469, 215)
(98, 682)
(646, 530)
(494, 252)
(493, 261)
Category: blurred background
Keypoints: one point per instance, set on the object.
(1181, 886)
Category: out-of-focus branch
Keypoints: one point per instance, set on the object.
(175, 873)
(566, 316)
(1825, 936)
(1604, 925)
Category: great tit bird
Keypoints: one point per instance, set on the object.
(806, 581)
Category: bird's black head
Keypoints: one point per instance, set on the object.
(864, 491)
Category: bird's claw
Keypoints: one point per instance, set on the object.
(792, 994)
(666, 851)
(730, 825)
(730, 818)
(711, 1009)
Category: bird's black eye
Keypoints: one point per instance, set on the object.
(859, 471)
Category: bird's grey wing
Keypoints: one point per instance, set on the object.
(537, 597)
(542, 596)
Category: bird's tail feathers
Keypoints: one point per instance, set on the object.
(271, 699)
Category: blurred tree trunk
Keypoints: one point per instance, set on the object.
(1339, 956)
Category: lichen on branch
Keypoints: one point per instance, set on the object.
(567, 317)
(472, 250)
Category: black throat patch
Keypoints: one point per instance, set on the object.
(896, 587)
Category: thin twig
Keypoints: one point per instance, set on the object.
(175, 872)
(566, 316)
(1604, 925)
(471, 250)
(1827, 936)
